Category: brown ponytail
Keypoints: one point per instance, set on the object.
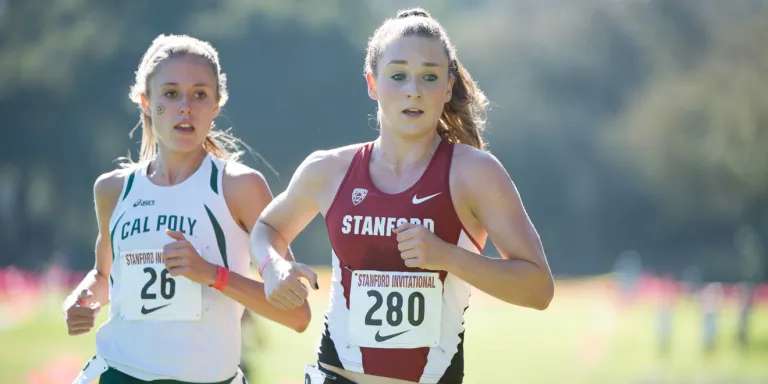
(463, 118)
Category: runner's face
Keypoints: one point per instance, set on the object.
(182, 102)
(412, 85)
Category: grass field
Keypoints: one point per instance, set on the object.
(584, 337)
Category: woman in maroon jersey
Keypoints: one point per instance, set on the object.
(408, 216)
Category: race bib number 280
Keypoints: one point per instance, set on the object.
(395, 309)
(150, 293)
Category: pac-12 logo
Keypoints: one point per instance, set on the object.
(358, 195)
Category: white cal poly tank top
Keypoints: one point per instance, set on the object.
(165, 327)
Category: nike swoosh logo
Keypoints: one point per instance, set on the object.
(416, 200)
(145, 311)
(379, 338)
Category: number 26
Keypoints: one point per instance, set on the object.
(167, 285)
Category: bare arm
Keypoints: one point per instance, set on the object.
(522, 276)
(106, 191)
(290, 212)
(247, 193)
(282, 220)
(84, 303)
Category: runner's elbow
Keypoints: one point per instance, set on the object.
(304, 317)
(545, 295)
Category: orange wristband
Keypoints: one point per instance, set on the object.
(222, 277)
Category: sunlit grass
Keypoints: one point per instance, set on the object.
(582, 338)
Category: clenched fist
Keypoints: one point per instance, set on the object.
(282, 286)
(420, 248)
(181, 259)
(80, 313)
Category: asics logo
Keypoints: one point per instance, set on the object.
(144, 203)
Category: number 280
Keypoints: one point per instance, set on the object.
(395, 308)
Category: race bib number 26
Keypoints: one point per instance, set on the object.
(395, 309)
(150, 293)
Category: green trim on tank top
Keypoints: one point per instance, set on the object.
(220, 238)
(113, 376)
(214, 178)
(112, 245)
(128, 187)
(130, 183)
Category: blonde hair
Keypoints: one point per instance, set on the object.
(463, 118)
(218, 143)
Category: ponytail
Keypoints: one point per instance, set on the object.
(463, 118)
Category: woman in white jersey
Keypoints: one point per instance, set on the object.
(390, 208)
(171, 252)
